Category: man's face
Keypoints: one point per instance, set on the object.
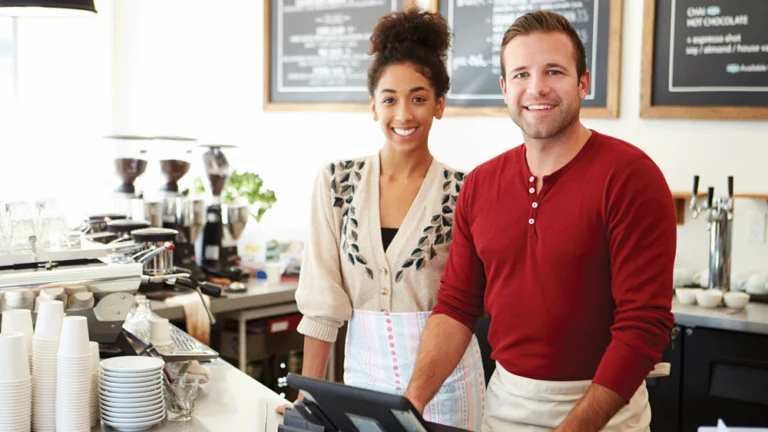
(542, 89)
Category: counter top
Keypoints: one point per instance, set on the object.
(752, 319)
(230, 401)
(259, 294)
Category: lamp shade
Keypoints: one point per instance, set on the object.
(47, 8)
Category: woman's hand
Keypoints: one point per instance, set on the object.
(281, 409)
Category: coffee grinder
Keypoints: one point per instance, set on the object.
(188, 220)
(224, 222)
(130, 163)
(180, 213)
(174, 155)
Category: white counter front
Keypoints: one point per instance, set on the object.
(231, 401)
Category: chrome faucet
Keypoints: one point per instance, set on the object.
(719, 211)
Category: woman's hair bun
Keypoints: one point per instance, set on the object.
(411, 28)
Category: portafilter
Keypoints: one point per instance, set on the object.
(157, 245)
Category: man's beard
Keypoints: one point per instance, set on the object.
(549, 129)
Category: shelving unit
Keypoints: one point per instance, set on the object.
(682, 198)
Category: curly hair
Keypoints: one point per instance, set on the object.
(414, 36)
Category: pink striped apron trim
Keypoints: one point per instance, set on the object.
(381, 352)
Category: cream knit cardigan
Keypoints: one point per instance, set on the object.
(344, 265)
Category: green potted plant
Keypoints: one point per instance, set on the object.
(245, 187)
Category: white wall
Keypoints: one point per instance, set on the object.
(49, 136)
(196, 68)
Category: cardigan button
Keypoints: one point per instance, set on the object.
(384, 270)
(383, 291)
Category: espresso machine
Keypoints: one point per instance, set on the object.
(151, 250)
(224, 223)
(130, 163)
(719, 213)
(71, 274)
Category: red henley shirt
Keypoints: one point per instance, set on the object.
(577, 278)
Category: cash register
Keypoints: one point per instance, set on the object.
(330, 406)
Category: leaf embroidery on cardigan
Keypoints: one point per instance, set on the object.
(345, 176)
(440, 228)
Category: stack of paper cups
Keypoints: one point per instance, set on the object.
(95, 359)
(45, 346)
(74, 376)
(15, 383)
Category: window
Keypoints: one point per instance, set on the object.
(7, 61)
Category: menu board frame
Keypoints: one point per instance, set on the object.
(650, 111)
(270, 105)
(613, 84)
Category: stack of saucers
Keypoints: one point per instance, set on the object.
(131, 392)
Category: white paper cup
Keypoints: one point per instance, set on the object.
(19, 320)
(159, 331)
(49, 320)
(274, 272)
(74, 337)
(14, 363)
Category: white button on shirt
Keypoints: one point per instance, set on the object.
(530, 221)
(531, 179)
(534, 205)
(531, 190)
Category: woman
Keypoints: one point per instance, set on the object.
(381, 228)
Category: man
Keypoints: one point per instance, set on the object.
(568, 242)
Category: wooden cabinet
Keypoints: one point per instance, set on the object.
(715, 374)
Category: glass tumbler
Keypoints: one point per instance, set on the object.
(180, 398)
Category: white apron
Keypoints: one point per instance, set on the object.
(380, 355)
(519, 404)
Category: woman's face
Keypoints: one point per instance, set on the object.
(404, 103)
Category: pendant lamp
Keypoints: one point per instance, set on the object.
(47, 8)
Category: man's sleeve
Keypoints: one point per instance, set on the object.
(642, 238)
(462, 285)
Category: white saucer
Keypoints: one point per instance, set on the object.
(134, 416)
(132, 391)
(131, 379)
(127, 405)
(132, 364)
(133, 426)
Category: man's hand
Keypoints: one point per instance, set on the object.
(442, 346)
(595, 409)
(416, 404)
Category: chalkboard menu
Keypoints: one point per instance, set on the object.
(317, 51)
(479, 27)
(706, 59)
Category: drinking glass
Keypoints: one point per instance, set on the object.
(180, 398)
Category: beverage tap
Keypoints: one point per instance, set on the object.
(719, 213)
